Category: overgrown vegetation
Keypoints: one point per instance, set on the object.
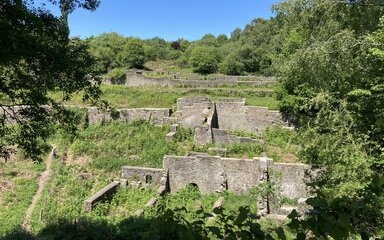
(114, 145)
(42, 60)
(17, 186)
(328, 56)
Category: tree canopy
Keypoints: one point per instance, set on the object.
(37, 58)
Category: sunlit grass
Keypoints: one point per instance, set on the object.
(165, 97)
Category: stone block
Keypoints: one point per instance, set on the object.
(170, 136)
(151, 202)
(139, 213)
(174, 127)
(123, 183)
(161, 191)
(101, 195)
(218, 204)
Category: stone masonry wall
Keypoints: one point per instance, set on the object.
(237, 116)
(208, 172)
(143, 174)
(241, 175)
(230, 114)
(136, 79)
(289, 179)
(153, 115)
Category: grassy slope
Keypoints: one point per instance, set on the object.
(18, 183)
(165, 97)
(98, 153)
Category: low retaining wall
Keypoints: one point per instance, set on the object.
(223, 136)
(95, 115)
(153, 115)
(101, 195)
(137, 79)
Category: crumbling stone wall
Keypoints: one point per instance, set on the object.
(226, 114)
(237, 116)
(153, 115)
(289, 179)
(209, 172)
(137, 79)
(95, 115)
(147, 176)
(194, 112)
(240, 175)
(102, 195)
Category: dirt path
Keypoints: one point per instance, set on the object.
(43, 179)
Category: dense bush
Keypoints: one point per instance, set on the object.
(132, 54)
(231, 65)
(204, 59)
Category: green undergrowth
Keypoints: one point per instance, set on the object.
(282, 145)
(167, 65)
(71, 184)
(121, 96)
(234, 150)
(192, 200)
(116, 144)
(194, 76)
(187, 214)
(94, 158)
(113, 145)
(18, 183)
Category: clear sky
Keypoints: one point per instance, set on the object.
(168, 19)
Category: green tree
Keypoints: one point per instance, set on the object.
(222, 39)
(38, 58)
(331, 78)
(208, 40)
(105, 48)
(156, 49)
(204, 59)
(231, 65)
(133, 54)
(235, 35)
(68, 6)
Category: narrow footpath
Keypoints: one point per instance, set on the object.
(43, 180)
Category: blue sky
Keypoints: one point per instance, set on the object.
(168, 19)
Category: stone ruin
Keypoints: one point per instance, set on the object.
(217, 174)
(212, 122)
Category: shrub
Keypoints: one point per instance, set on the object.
(133, 54)
(204, 59)
(231, 66)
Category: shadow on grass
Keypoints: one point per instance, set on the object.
(168, 224)
(130, 228)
